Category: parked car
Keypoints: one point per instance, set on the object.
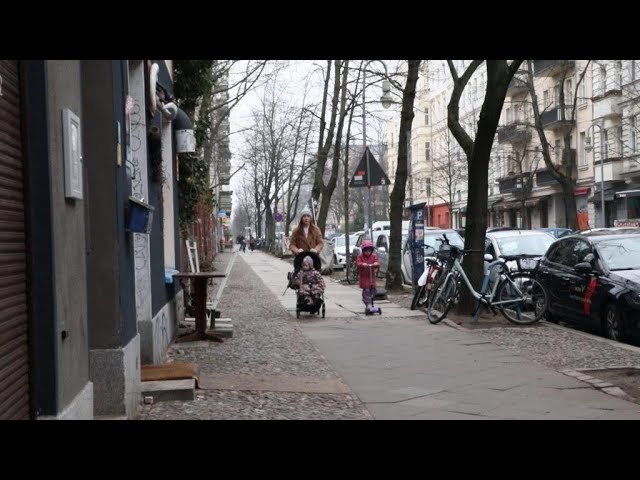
(339, 250)
(556, 232)
(517, 242)
(594, 280)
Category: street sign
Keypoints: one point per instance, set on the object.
(277, 217)
(369, 173)
(222, 213)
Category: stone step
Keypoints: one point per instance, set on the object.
(168, 390)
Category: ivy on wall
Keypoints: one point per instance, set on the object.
(193, 84)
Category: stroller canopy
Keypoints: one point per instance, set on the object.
(297, 261)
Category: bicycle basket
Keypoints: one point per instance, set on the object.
(444, 252)
(528, 264)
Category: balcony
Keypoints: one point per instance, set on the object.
(517, 86)
(608, 105)
(517, 132)
(544, 177)
(510, 184)
(549, 68)
(613, 169)
(552, 118)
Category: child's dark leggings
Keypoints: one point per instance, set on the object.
(368, 294)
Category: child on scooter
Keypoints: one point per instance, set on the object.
(367, 264)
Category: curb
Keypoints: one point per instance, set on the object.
(598, 384)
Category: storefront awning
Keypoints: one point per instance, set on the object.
(628, 193)
(581, 191)
(493, 202)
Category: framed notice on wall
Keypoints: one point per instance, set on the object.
(72, 149)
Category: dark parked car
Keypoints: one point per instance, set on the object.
(594, 279)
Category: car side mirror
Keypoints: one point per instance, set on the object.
(488, 257)
(584, 268)
(382, 249)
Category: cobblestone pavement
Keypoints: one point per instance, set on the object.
(550, 346)
(266, 341)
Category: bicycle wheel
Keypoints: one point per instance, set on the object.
(441, 298)
(522, 311)
(420, 297)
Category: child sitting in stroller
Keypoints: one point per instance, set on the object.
(310, 283)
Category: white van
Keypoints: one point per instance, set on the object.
(386, 225)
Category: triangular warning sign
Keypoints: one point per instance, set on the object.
(368, 173)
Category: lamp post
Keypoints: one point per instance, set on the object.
(588, 146)
(386, 101)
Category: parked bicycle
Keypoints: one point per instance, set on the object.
(519, 296)
(432, 269)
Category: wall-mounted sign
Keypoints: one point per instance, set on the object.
(72, 149)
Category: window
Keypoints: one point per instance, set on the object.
(603, 79)
(619, 72)
(545, 97)
(583, 93)
(568, 92)
(509, 119)
(557, 149)
(634, 133)
(382, 242)
(605, 143)
(427, 187)
(582, 160)
(562, 253)
(516, 113)
(427, 151)
(426, 116)
(392, 140)
(458, 195)
(556, 95)
(619, 135)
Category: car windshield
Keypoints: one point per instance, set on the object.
(524, 244)
(621, 254)
(352, 240)
(430, 240)
(338, 242)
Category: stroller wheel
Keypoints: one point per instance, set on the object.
(297, 313)
(379, 311)
(323, 311)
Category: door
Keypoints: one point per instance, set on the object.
(14, 354)
(556, 271)
(582, 288)
(382, 250)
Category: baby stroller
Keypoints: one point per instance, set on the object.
(301, 303)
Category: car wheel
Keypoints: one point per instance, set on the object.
(551, 318)
(613, 324)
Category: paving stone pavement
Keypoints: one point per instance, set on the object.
(398, 366)
(266, 342)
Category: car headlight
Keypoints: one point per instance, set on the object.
(633, 298)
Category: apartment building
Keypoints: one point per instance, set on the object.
(600, 120)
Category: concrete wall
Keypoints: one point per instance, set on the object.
(64, 87)
(157, 334)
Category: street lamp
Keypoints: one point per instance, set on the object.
(386, 101)
(588, 146)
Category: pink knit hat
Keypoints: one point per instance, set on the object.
(308, 260)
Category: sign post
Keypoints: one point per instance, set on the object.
(368, 174)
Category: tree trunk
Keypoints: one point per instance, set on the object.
(499, 75)
(394, 269)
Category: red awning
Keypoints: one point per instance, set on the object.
(581, 191)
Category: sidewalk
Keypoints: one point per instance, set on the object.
(402, 367)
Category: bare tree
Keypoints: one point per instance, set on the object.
(564, 172)
(478, 152)
(449, 170)
(394, 271)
